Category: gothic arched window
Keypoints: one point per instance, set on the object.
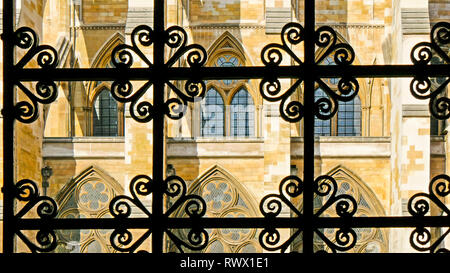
(212, 114)
(242, 114)
(229, 106)
(105, 115)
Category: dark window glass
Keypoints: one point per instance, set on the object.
(349, 118)
(227, 61)
(105, 115)
(212, 114)
(242, 114)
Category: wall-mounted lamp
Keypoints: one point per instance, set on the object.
(46, 172)
(294, 170)
(170, 170)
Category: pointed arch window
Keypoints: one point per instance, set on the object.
(212, 114)
(229, 107)
(86, 196)
(242, 114)
(105, 115)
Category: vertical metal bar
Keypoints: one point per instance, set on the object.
(158, 129)
(308, 172)
(9, 223)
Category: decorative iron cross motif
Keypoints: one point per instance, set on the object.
(326, 39)
(176, 38)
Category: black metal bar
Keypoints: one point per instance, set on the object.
(239, 223)
(9, 223)
(214, 73)
(158, 129)
(308, 161)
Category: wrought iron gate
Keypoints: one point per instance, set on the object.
(158, 76)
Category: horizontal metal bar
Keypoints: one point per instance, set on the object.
(251, 222)
(210, 73)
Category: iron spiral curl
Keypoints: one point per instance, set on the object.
(174, 187)
(45, 91)
(326, 38)
(194, 207)
(46, 208)
(120, 206)
(122, 55)
(421, 240)
(344, 240)
(326, 186)
(290, 187)
(46, 56)
(439, 187)
(347, 87)
(27, 191)
(45, 241)
(426, 53)
(271, 206)
(272, 57)
(419, 206)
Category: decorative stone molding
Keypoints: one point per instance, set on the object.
(101, 27)
(415, 110)
(415, 21)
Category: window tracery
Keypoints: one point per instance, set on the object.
(225, 197)
(369, 240)
(86, 196)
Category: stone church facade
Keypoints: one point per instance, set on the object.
(233, 148)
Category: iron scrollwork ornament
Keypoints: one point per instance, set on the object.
(141, 186)
(347, 87)
(292, 187)
(176, 39)
(271, 206)
(46, 208)
(326, 39)
(46, 58)
(420, 205)
(326, 187)
(434, 52)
